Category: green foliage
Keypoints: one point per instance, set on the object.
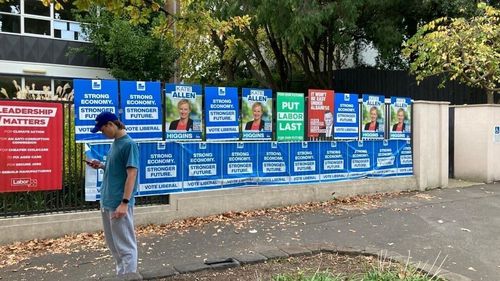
(467, 50)
(133, 52)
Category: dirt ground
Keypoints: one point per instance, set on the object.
(343, 265)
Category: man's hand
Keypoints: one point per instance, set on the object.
(96, 164)
(120, 212)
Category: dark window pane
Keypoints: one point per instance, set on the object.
(35, 7)
(39, 88)
(68, 13)
(63, 89)
(9, 85)
(12, 6)
(10, 23)
(36, 26)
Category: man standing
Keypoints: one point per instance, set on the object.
(117, 192)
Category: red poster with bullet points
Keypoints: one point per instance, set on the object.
(31, 145)
(320, 114)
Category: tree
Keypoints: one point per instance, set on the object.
(467, 50)
(133, 52)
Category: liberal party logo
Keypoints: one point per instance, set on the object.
(347, 97)
(141, 86)
(222, 91)
(96, 84)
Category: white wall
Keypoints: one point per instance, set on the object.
(476, 155)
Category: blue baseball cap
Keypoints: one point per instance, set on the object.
(102, 119)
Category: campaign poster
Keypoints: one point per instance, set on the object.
(273, 161)
(373, 119)
(404, 158)
(31, 145)
(91, 98)
(257, 114)
(304, 158)
(333, 161)
(222, 116)
(161, 168)
(239, 164)
(360, 155)
(400, 114)
(94, 177)
(290, 119)
(183, 112)
(202, 167)
(346, 117)
(320, 114)
(142, 109)
(385, 153)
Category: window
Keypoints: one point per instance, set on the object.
(10, 23)
(9, 86)
(36, 7)
(32, 17)
(39, 88)
(63, 89)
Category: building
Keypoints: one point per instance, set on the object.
(35, 41)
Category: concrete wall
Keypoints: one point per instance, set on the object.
(430, 144)
(198, 204)
(476, 155)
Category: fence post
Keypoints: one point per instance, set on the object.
(430, 144)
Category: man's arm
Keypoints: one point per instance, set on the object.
(121, 211)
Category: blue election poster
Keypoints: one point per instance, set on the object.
(385, 153)
(257, 114)
(222, 118)
(142, 109)
(161, 168)
(404, 159)
(304, 166)
(400, 118)
(333, 161)
(360, 158)
(239, 164)
(346, 117)
(273, 160)
(373, 117)
(93, 177)
(183, 112)
(202, 168)
(91, 98)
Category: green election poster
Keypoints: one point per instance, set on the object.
(290, 119)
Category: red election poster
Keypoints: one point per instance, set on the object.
(320, 114)
(30, 146)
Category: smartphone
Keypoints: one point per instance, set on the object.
(87, 161)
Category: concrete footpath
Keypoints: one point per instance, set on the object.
(458, 227)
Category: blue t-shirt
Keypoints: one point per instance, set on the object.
(123, 153)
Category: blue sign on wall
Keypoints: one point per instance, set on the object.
(91, 98)
(142, 109)
(373, 117)
(239, 164)
(304, 158)
(183, 112)
(360, 158)
(385, 153)
(202, 167)
(161, 168)
(94, 177)
(346, 116)
(400, 118)
(273, 161)
(257, 108)
(405, 158)
(222, 116)
(333, 161)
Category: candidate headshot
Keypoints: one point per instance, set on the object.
(373, 124)
(257, 124)
(328, 119)
(400, 126)
(184, 123)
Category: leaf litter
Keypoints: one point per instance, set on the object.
(14, 253)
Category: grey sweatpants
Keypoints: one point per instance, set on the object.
(120, 237)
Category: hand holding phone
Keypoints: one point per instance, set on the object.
(96, 164)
